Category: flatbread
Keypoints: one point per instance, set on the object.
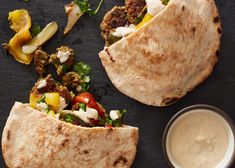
(31, 139)
(169, 56)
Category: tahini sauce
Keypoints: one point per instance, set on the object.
(198, 140)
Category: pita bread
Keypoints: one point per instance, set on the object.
(169, 56)
(31, 139)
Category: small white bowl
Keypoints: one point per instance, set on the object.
(225, 121)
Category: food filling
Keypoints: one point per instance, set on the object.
(122, 21)
(68, 98)
(54, 99)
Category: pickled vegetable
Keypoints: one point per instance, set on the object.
(33, 100)
(53, 100)
(20, 22)
(40, 38)
(146, 18)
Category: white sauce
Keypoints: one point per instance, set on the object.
(42, 107)
(42, 84)
(63, 56)
(154, 6)
(198, 139)
(85, 116)
(62, 103)
(124, 31)
(114, 114)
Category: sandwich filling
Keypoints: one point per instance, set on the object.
(68, 98)
(54, 99)
(122, 21)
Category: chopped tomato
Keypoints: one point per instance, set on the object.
(109, 126)
(90, 101)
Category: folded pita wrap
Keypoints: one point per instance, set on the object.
(169, 56)
(31, 139)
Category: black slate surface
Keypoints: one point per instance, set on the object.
(16, 79)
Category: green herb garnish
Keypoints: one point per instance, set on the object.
(101, 121)
(82, 68)
(82, 106)
(42, 99)
(139, 19)
(165, 2)
(118, 122)
(85, 6)
(47, 109)
(122, 112)
(69, 118)
(26, 1)
(35, 30)
(85, 86)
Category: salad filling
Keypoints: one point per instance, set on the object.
(54, 99)
(68, 98)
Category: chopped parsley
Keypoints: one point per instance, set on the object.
(47, 109)
(35, 30)
(82, 106)
(42, 99)
(123, 112)
(83, 70)
(107, 121)
(85, 6)
(69, 118)
(139, 19)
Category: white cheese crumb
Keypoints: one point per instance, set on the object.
(78, 88)
(85, 116)
(114, 114)
(42, 84)
(42, 107)
(63, 56)
(154, 6)
(124, 31)
(86, 100)
(62, 103)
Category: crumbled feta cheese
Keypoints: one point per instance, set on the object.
(63, 56)
(42, 107)
(114, 114)
(86, 100)
(42, 84)
(62, 103)
(154, 6)
(124, 31)
(85, 116)
(78, 88)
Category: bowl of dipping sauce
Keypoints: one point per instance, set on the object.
(199, 136)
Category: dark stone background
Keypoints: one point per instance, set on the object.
(16, 79)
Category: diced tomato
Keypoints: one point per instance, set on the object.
(109, 126)
(90, 101)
